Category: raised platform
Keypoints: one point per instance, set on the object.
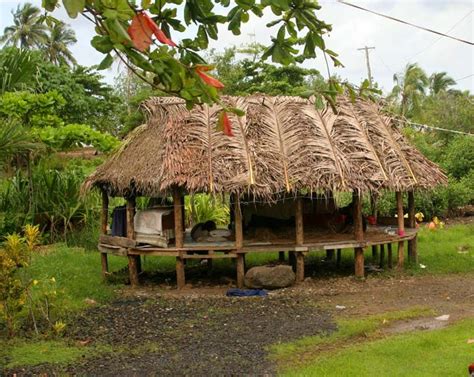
(313, 241)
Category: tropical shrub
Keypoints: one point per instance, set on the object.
(203, 207)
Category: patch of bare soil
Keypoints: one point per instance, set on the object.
(201, 332)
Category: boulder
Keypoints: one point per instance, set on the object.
(270, 277)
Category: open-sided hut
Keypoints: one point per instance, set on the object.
(284, 149)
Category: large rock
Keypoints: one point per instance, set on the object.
(270, 277)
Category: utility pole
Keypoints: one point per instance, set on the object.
(369, 73)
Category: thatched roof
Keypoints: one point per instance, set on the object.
(281, 144)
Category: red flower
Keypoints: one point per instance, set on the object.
(142, 28)
(209, 80)
(224, 124)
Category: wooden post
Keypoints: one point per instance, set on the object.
(299, 240)
(180, 277)
(338, 258)
(412, 249)
(401, 229)
(375, 253)
(358, 234)
(299, 267)
(178, 236)
(132, 259)
(292, 260)
(239, 231)
(104, 219)
(373, 210)
(389, 256)
(299, 222)
(240, 270)
(329, 255)
(281, 256)
(382, 256)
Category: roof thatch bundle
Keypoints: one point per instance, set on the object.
(281, 145)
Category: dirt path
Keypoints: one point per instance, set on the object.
(203, 333)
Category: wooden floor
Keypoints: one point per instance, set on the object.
(315, 240)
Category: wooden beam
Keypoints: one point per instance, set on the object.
(292, 260)
(412, 247)
(358, 234)
(338, 258)
(239, 231)
(240, 270)
(133, 264)
(104, 220)
(117, 241)
(375, 253)
(299, 222)
(299, 267)
(401, 229)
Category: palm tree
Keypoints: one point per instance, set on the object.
(60, 38)
(27, 30)
(409, 88)
(440, 82)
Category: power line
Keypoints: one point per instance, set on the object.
(405, 22)
(425, 126)
(463, 78)
(441, 37)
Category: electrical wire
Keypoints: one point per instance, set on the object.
(425, 126)
(406, 22)
(441, 37)
(465, 77)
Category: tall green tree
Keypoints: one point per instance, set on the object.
(28, 29)
(60, 38)
(409, 90)
(440, 81)
(17, 68)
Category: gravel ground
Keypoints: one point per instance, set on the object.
(199, 335)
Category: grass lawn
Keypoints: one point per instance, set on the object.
(444, 352)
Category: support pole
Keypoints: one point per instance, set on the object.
(299, 222)
(358, 234)
(240, 270)
(299, 240)
(382, 256)
(338, 258)
(239, 232)
(179, 236)
(412, 247)
(281, 256)
(389, 256)
(329, 255)
(133, 263)
(401, 229)
(373, 210)
(104, 219)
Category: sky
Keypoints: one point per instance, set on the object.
(395, 44)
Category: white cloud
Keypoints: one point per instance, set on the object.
(395, 43)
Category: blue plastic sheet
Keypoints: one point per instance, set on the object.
(236, 292)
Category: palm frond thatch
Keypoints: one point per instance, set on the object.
(281, 144)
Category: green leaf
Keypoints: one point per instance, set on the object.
(146, 4)
(236, 111)
(49, 5)
(73, 7)
(102, 43)
(106, 62)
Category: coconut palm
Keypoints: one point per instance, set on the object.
(409, 89)
(440, 81)
(28, 29)
(57, 45)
